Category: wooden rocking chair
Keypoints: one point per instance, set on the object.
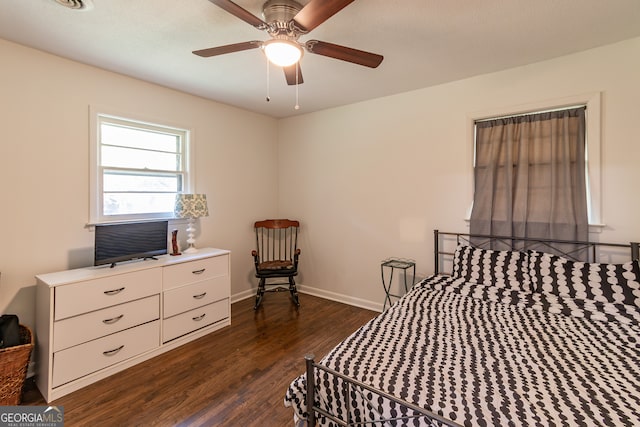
(276, 256)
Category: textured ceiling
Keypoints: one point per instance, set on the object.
(424, 42)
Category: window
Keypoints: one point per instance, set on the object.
(530, 176)
(593, 144)
(137, 168)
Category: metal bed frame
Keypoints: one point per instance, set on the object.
(524, 243)
(351, 385)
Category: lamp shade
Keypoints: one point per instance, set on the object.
(191, 206)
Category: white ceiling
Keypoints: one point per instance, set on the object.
(424, 42)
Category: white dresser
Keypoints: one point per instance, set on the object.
(93, 322)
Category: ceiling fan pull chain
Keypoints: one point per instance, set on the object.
(297, 106)
(268, 97)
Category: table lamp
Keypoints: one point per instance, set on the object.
(191, 206)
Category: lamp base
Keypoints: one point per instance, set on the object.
(191, 231)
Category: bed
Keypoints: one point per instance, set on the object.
(519, 333)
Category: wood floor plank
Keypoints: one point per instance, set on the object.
(236, 376)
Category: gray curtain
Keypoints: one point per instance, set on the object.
(530, 176)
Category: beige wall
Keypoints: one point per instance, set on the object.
(372, 180)
(44, 147)
(368, 181)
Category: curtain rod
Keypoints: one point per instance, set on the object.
(508, 116)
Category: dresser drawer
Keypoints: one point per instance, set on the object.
(86, 327)
(195, 319)
(81, 360)
(197, 294)
(194, 271)
(90, 295)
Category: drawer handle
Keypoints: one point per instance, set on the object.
(114, 291)
(199, 318)
(114, 351)
(200, 296)
(112, 320)
(199, 271)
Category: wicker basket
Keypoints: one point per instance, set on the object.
(14, 362)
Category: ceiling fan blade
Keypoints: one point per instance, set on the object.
(290, 74)
(344, 53)
(241, 13)
(230, 48)
(317, 11)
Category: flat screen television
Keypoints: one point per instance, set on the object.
(127, 241)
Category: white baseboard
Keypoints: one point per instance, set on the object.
(321, 293)
(243, 295)
(345, 299)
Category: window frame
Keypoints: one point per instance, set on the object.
(593, 150)
(96, 192)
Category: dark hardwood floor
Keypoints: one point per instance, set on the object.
(236, 376)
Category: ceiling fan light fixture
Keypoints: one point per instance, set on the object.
(282, 52)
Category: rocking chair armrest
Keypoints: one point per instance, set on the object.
(256, 258)
(295, 257)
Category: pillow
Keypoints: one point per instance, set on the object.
(609, 283)
(505, 269)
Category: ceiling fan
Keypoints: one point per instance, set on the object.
(286, 21)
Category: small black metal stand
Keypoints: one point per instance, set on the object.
(392, 264)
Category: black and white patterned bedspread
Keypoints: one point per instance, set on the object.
(482, 356)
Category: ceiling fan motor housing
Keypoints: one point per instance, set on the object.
(279, 15)
(76, 4)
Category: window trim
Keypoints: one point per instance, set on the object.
(594, 144)
(95, 178)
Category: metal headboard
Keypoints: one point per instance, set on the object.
(525, 243)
